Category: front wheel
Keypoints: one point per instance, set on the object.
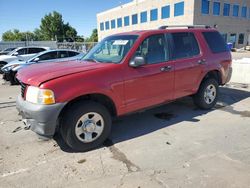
(86, 125)
(207, 95)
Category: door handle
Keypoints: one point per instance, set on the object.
(165, 69)
(202, 62)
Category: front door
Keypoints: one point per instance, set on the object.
(152, 83)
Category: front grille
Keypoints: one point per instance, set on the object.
(23, 89)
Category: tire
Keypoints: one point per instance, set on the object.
(207, 95)
(80, 122)
(12, 79)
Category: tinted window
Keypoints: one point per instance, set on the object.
(226, 9)
(244, 12)
(119, 22)
(179, 9)
(215, 42)
(216, 8)
(134, 19)
(22, 51)
(154, 14)
(236, 10)
(112, 24)
(71, 54)
(153, 49)
(126, 21)
(35, 50)
(205, 7)
(107, 25)
(144, 17)
(48, 56)
(165, 12)
(184, 45)
(102, 26)
(63, 54)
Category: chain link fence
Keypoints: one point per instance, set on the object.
(78, 46)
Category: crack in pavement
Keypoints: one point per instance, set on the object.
(120, 156)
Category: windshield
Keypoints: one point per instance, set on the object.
(112, 49)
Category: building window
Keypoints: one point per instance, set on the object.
(134, 19)
(165, 12)
(226, 9)
(107, 25)
(179, 9)
(154, 14)
(112, 24)
(216, 8)
(236, 10)
(119, 22)
(144, 17)
(244, 12)
(241, 38)
(205, 7)
(126, 21)
(102, 26)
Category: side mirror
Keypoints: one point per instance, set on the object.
(15, 54)
(137, 61)
(36, 59)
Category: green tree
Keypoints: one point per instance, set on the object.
(16, 35)
(93, 37)
(53, 28)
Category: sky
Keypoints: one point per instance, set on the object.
(26, 15)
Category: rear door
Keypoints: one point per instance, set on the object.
(152, 83)
(188, 61)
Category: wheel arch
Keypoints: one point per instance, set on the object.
(100, 98)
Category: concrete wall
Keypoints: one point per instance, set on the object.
(226, 24)
(145, 5)
(241, 71)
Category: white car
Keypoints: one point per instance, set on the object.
(21, 53)
(53, 56)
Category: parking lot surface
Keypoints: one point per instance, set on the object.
(175, 145)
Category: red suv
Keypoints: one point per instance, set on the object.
(123, 73)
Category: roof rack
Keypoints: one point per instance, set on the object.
(188, 26)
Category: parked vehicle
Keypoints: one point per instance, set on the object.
(22, 53)
(123, 73)
(13, 67)
(6, 51)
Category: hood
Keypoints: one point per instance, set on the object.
(5, 57)
(36, 74)
(9, 66)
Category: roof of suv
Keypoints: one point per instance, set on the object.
(170, 29)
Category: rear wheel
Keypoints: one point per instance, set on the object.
(207, 95)
(86, 125)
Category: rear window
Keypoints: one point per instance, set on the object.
(71, 54)
(215, 42)
(35, 50)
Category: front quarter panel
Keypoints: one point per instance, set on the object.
(107, 81)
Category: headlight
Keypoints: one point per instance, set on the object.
(40, 96)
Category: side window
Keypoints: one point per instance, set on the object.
(184, 45)
(215, 42)
(48, 56)
(63, 54)
(22, 51)
(35, 50)
(71, 54)
(153, 49)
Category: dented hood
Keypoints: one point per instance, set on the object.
(39, 73)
